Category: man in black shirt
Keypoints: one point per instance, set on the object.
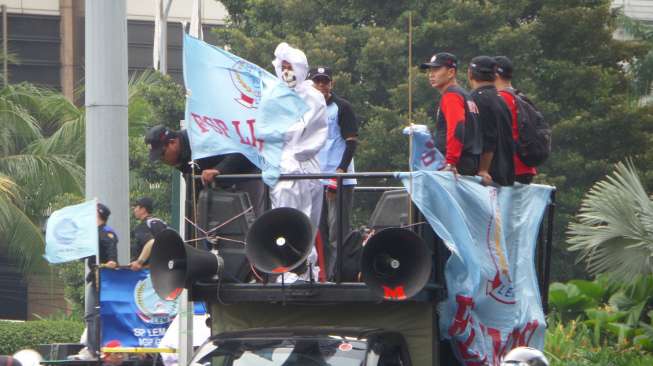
(173, 148)
(108, 250)
(337, 156)
(144, 232)
(496, 164)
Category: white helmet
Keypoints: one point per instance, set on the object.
(525, 356)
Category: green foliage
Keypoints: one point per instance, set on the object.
(614, 228)
(15, 336)
(605, 312)
(565, 56)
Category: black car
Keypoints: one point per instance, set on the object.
(305, 346)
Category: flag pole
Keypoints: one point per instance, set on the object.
(410, 114)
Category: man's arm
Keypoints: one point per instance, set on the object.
(490, 137)
(349, 132)
(453, 109)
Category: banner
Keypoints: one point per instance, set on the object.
(424, 154)
(234, 106)
(131, 313)
(493, 302)
(71, 233)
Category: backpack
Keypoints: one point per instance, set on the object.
(533, 145)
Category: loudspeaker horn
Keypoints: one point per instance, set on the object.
(280, 240)
(396, 264)
(175, 265)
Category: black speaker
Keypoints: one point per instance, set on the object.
(217, 206)
(396, 264)
(280, 240)
(390, 211)
(175, 265)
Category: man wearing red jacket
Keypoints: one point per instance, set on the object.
(457, 130)
(523, 173)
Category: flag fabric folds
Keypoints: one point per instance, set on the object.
(71, 233)
(493, 302)
(234, 106)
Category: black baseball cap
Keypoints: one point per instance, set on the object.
(145, 202)
(483, 64)
(103, 211)
(157, 137)
(320, 72)
(504, 66)
(441, 59)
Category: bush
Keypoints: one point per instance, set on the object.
(15, 336)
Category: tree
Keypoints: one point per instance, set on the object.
(29, 179)
(565, 56)
(613, 230)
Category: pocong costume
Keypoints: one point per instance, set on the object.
(302, 143)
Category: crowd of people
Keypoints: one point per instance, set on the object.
(476, 131)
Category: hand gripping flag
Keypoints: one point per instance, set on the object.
(71, 233)
(234, 106)
(424, 154)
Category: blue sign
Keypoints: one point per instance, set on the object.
(234, 106)
(72, 233)
(493, 302)
(131, 312)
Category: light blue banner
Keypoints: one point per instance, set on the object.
(493, 302)
(234, 106)
(72, 233)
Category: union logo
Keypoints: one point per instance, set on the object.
(245, 78)
(150, 307)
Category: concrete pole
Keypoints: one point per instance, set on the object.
(107, 165)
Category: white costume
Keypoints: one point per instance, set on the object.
(302, 143)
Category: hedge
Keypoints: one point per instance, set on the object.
(15, 336)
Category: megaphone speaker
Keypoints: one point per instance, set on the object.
(280, 240)
(175, 265)
(396, 264)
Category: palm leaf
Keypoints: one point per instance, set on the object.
(614, 228)
(42, 177)
(24, 239)
(17, 128)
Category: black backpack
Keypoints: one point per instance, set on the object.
(534, 143)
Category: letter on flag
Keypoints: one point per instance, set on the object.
(71, 233)
(234, 106)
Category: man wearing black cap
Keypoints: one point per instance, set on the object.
(523, 173)
(144, 232)
(108, 248)
(496, 163)
(337, 156)
(457, 131)
(173, 148)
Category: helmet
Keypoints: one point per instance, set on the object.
(525, 356)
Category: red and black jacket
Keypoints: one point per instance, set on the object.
(457, 130)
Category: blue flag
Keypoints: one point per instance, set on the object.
(132, 314)
(71, 233)
(493, 302)
(424, 154)
(234, 106)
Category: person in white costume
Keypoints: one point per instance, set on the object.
(302, 143)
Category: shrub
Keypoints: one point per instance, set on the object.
(15, 336)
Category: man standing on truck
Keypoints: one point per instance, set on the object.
(302, 143)
(173, 148)
(337, 156)
(457, 132)
(144, 232)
